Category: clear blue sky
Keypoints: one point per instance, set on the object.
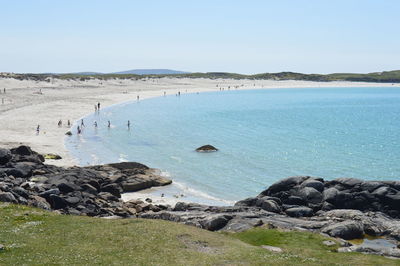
(311, 36)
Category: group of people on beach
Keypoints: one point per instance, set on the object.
(60, 123)
(80, 127)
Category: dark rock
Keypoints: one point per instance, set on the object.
(299, 212)
(89, 189)
(5, 156)
(206, 148)
(215, 222)
(107, 196)
(22, 150)
(370, 186)
(346, 230)
(314, 184)
(136, 185)
(348, 182)
(94, 184)
(128, 166)
(294, 200)
(330, 195)
(382, 191)
(284, 185)
(21, 192)
(268, 205)
(326, 206)
(393, 201)
(57, 202)
(247, 202)
(46, 194)
(114, 189)
(310, 195)
(7, 197)
(67, 187)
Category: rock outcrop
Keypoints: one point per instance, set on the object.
(92, 190)
(306, 196)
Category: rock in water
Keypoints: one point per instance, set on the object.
(206, 148)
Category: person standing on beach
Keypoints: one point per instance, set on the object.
(78, 129)
(109, 124)
(4, 90)
(95, 124)
(37, 129)
(137, 97)
(98, 106)
(59, 123)
(129, 124)
(68, 123)
(82, 124)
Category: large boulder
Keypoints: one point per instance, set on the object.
(57, 202)
(269, 205)
(22, 150)
(310, 195)
(330, 195)
(215, 222)
(346, 230)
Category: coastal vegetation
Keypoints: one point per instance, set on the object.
(385, 76)
(35, 236)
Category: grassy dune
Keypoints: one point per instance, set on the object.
(385, 76)
(36, 237)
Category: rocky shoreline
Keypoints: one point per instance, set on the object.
(345, 208)
(92, 191)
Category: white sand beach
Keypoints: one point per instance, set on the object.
(28, 103)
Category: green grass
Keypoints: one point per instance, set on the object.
(35, 237)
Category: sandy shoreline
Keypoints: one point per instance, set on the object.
(29, 103)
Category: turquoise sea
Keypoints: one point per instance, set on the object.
(262, 136)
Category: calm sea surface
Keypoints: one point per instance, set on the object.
(262, 136)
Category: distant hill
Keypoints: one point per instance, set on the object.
(87, 73)
(151, 72)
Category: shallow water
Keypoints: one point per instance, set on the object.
(262, 136)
